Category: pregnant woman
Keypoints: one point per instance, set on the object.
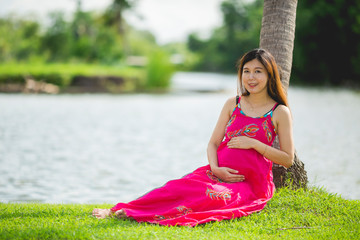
(238, 180)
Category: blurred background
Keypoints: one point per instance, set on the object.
(101, 101)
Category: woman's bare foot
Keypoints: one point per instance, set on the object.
(120, 214)
(101, 213)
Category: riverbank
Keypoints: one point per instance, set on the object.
(57, 78)
(54, 78)
(300, 214)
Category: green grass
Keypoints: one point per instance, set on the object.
(311, 214)
(62, 74)
(66, 69)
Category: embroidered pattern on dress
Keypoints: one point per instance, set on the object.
(268, 133)
(184, 210)
(232, 119)
(161, 217)
(249, 130)
(214, 195)
(212, 176)
(181, 209)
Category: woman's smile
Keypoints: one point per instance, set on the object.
(254, 76)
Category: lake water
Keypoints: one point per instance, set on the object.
(108, 148)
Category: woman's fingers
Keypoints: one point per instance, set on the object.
(230, 170)
(229, 175)
(235, 177)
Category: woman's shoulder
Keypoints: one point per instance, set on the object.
(281, 108)
(282, 111)
(231, 101)
(230, 104)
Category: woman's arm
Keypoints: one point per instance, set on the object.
(225, 174)
(283, 124)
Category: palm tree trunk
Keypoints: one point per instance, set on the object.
(277, 36)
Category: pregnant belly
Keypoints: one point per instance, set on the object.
(251, 164)
(247, 161)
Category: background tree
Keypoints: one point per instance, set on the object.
(326, 47)
(114, 16)
(56, 41)
(86, 37)
(277, 36)
(20, 39)
(327, 44)
(83, 32)
(239, 32)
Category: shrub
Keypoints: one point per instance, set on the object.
(158, 71)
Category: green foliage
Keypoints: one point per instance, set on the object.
(56, 41)
(20, 39)
(300, 214)
(62, 74)
(239, 33)
(181, 56)
(158, 70)
(114, 12)
(141, 42)
(92, 38)
(327, 42)
(88, 37)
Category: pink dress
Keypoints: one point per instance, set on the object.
(200, 196)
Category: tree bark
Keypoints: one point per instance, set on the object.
(277, 36)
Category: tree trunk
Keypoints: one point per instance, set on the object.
(277, 36)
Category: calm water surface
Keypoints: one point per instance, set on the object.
(111, 148)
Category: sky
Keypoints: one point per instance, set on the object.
(168, 20)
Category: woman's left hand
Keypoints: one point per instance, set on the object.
(241, 142)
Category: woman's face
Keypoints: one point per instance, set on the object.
(254, 77)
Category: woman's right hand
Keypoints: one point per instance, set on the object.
(228, 175)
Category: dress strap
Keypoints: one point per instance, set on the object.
(237, 99)
(272, 110)
(275, 106)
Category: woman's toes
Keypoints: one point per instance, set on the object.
(101, 213)
(120, 214)
(95, 211)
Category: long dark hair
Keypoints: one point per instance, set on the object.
(274, 86)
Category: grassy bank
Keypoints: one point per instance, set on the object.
(117, 79)
(61, 74)
(312, 214)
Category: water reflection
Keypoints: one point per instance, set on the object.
(110, 148)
